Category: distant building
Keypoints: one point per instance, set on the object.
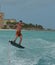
(1, 19)
(4, 21)
(9, 20)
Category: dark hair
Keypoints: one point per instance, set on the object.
(20, 21)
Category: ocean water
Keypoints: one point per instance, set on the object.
(39, 48)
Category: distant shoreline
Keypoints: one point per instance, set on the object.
(7, 29)
(25, 29)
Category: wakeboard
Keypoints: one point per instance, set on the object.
(16, 44)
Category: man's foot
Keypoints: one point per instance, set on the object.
(14, 41)
(19, 44)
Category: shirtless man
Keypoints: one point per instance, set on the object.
(18, 31)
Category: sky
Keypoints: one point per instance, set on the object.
(41, 12)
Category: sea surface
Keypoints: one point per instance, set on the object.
(39, 48)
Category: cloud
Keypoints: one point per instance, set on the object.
(27, 2)
(11, 2)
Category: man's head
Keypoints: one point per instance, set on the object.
(20, 22)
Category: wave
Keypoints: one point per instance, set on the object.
(38, 51)
(28, 57)
(38, 43)
(46, 60)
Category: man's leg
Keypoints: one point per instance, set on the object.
(15, 38)
(20, 40)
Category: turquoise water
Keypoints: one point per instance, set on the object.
(40, 48)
